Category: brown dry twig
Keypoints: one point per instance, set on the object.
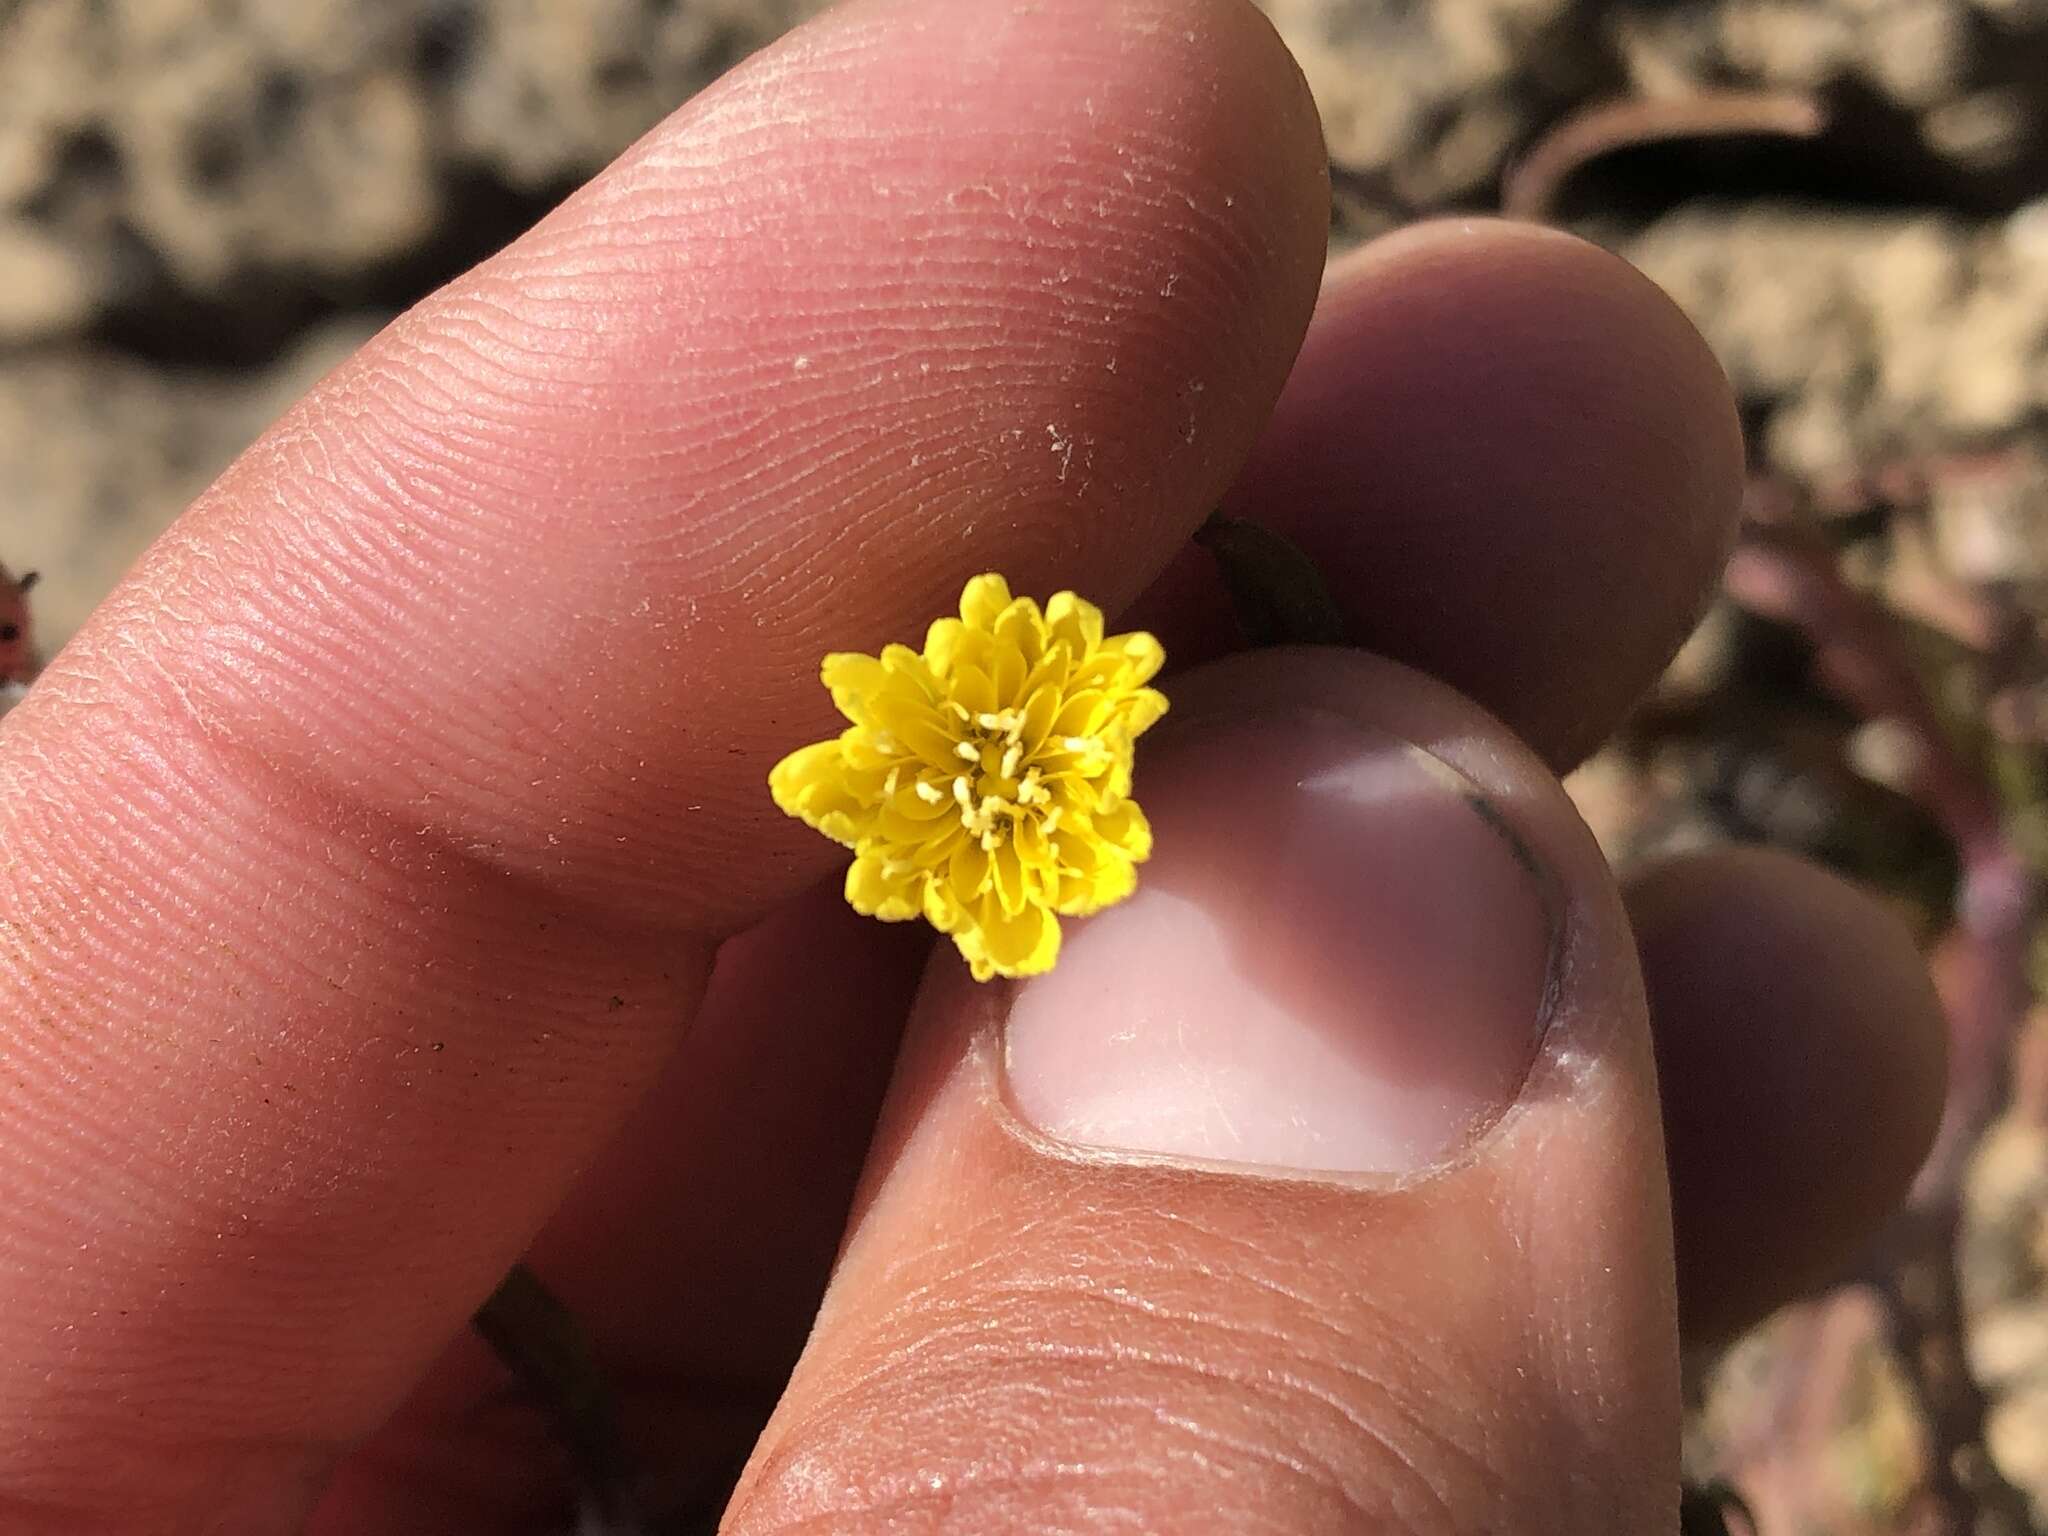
(1530, 188)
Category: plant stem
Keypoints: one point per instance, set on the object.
(1279, 595)
(540, 1342)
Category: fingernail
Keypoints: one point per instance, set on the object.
(1337, 961)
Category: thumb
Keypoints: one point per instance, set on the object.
(1319, 1187)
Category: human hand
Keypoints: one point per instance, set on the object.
(373, 861)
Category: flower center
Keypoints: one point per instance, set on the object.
(998, 789)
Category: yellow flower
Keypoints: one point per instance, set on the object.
(985, 784)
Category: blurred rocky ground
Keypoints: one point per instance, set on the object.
(205, 203)
(202, 201)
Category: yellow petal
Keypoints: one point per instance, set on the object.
(1141, 710)
(1051, 670)
(1022, 626)
(893, 825)
(914, 809)
(854, 679)
(942, 643)
(1023, 944)
(918, 727)
(935, 853)
(1125, 829)
(1116, 781)
(1034, 848)
(876, 888)
(974, 689)
(911, 675)
(968, 871)
(1143, 656)
(973, 947)
(1041, 708)
(1078, 798)
(977, 649)
(942, 909)
(1111, 878)
(1009, 668)
(1006, 874)
(1100, 669)
(1075, 620)
(983, 600)
(813, 785)
(869, 750)
(1082, 714)
(1077, 847)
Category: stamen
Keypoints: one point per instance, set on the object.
(1086, 744)
(895, 777)
(928, 792)
(1051, 820)
(967, 750)
(1011, 760)
(1008, 722)
(963, 793)
(959, 709)
(884, 742)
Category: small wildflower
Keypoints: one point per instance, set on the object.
(985, 784)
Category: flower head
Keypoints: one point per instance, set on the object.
(985, 784)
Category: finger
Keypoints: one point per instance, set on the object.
(349, 851)
(1515, 462)
(559, 553)
(1801, 1050)
(1317, 1188)
(692, 1252)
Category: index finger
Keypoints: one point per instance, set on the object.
(364, 850)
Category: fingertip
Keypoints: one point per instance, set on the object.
(1560, 322)
(1597, 465)
(1515, 461)
(1801, 1053)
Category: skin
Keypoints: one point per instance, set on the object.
(374, 858)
